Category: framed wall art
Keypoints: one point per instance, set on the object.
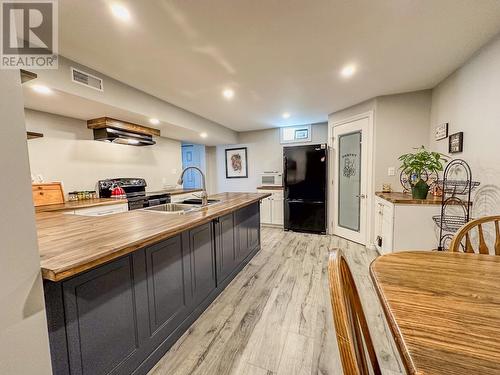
(236, 163)
(456, 143)
(441, 132)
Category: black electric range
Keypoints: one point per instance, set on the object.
(135, 189)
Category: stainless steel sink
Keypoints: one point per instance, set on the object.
(197, 201)
(172, 208)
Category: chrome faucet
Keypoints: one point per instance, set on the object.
(204, 195)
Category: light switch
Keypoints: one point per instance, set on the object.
(391, 171)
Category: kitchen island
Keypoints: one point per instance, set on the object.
(121, 289)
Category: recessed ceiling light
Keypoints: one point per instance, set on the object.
(203, 135)
(347, 71)
(154, 121)
(42, 89)
(228, 94)
(285, 115)
(119, 11)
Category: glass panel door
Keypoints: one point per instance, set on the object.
(349, 181)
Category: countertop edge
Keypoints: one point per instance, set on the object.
(397, 198)
(56, 275)
(396, 333)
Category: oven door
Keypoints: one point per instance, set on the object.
(137, 203)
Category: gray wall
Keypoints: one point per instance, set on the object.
(24, 343)
(265, 153)
(469, 100)
(401, 122)
(68, 153)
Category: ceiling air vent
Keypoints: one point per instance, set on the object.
(86, 79)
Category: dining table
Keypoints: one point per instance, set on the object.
(443, 309)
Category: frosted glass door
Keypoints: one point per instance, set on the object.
(349, 181)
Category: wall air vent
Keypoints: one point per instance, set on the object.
(86, 79)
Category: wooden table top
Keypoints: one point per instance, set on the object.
(70, 244)
(443, 309)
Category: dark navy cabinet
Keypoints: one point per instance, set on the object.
(247, 230)
(226, 246)
(202, 257)
(168, 286)
(121, 317)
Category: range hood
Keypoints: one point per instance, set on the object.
(111, 130)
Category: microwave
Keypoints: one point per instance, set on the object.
(271, 179)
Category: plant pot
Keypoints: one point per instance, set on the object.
(420, 190)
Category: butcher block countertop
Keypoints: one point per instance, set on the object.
(75, 205)
(406, 198)
(175, 191)
(71, 244)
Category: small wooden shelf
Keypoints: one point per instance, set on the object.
(33, 135)
(27, 76)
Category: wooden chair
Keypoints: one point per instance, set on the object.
(353, 336)
(465, 231)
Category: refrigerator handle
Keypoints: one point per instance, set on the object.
(285, 169)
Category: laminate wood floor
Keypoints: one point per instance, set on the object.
(275, 317)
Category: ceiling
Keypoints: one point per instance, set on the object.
(75, 106)
(278, 55)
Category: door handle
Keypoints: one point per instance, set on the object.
(362, 196)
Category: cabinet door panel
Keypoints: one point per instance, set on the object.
(266, 211)
(247, 230)
(241, 232)
(168, 288)
(253, 227)
(277, 210)
(202, 262)
(226, 250)
(101, 309)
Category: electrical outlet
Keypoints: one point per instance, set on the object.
(391, 171)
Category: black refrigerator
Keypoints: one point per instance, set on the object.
(305, 180)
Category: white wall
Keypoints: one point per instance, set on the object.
(211, 168)
(68, 153)
(469, 100)
(264, 152)
(24, 346)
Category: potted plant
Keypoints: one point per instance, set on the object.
(417, 164)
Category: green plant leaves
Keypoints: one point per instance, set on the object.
(422, 161)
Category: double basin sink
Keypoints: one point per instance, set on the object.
(187, 205)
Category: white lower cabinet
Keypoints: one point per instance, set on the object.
(271, 209)
(404, 227)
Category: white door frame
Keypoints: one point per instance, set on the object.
(368, 139)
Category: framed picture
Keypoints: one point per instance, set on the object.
(441, 132)
(236, 163)
(302, 134)
(456, 143)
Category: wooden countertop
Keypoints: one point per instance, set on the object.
(74, 205)
(270, 187)
(443, 309)
(175, 191)
(70, 244)
(406, 198)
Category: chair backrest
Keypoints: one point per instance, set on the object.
(353, 336)
(467, 229)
